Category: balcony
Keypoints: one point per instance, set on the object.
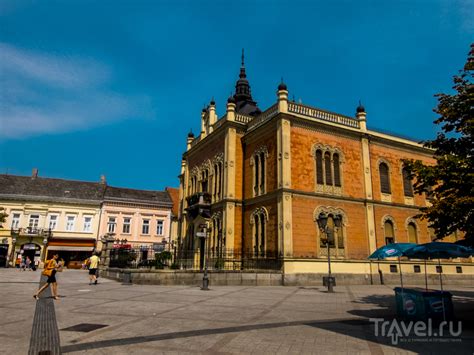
(30, 231)
(199, 204)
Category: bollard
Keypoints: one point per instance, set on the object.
(127, 278)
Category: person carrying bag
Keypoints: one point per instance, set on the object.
(50, 268)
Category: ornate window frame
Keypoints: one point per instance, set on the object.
(261, 173)
(336, 251)
(386, 218)
(328, 188)
(411, 220)
(257, 230)
(386, 197)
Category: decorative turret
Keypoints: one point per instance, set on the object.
(361, 115)
(231, 108)
(212, 115)
(204, 118)
(189, 140)
(282, 94)
(243, 96)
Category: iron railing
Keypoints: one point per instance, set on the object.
(192, 259)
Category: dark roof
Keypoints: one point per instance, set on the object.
(14, 186)
(144, 196)
(48, 189)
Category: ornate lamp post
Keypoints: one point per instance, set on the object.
(47, 236)
(205, 278)
(329, 281)
(12, 258)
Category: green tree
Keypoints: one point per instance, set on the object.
(3, 217)
(450, 182)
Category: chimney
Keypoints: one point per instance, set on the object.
(34, 173)
(103, 181)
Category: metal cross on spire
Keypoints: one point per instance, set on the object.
(242, 57)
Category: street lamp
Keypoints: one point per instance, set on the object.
(205, 278)
(328, 281)
(45, 243)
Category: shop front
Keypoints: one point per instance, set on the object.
(73, 251)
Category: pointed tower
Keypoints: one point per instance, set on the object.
(243, 96)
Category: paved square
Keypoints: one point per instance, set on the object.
(147, 319)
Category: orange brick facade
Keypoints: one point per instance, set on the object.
(283, 141)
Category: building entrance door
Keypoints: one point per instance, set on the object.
(3, 255)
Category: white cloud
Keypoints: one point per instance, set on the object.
(47, 94)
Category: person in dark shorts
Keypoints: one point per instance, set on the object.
(93, 266)
(50, 269)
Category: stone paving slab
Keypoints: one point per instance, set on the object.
(150, 319)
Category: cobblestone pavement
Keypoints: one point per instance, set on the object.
(145, 319)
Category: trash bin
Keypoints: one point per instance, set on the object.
(422, 304)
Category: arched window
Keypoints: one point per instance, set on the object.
(389, 232)
(327, 166)
(256, 174)
(337, 173)
(412, 237)
(384, 178)
(407, 183)
(258, 161)
(259, 220)
(262, 172)
(256, 241)
(319, 167)
(204, 180)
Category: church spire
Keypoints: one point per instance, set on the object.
(243, 95)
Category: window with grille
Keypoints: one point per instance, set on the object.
(407, 183)
(384, 178)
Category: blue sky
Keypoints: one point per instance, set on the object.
(113, 87)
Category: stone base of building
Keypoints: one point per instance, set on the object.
(309, 273)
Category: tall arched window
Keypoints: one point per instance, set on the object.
(258, 161)
(389, 232)
(337, 173)
(407, 183)
(327, 166)
(319, 167)
(259, 220)
(384, 178)
(412, 236)
(205, 180)
(328, 169)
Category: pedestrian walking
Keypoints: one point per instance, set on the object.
(50, 268)
(28, 263)
(23, 264)
(93, 268)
